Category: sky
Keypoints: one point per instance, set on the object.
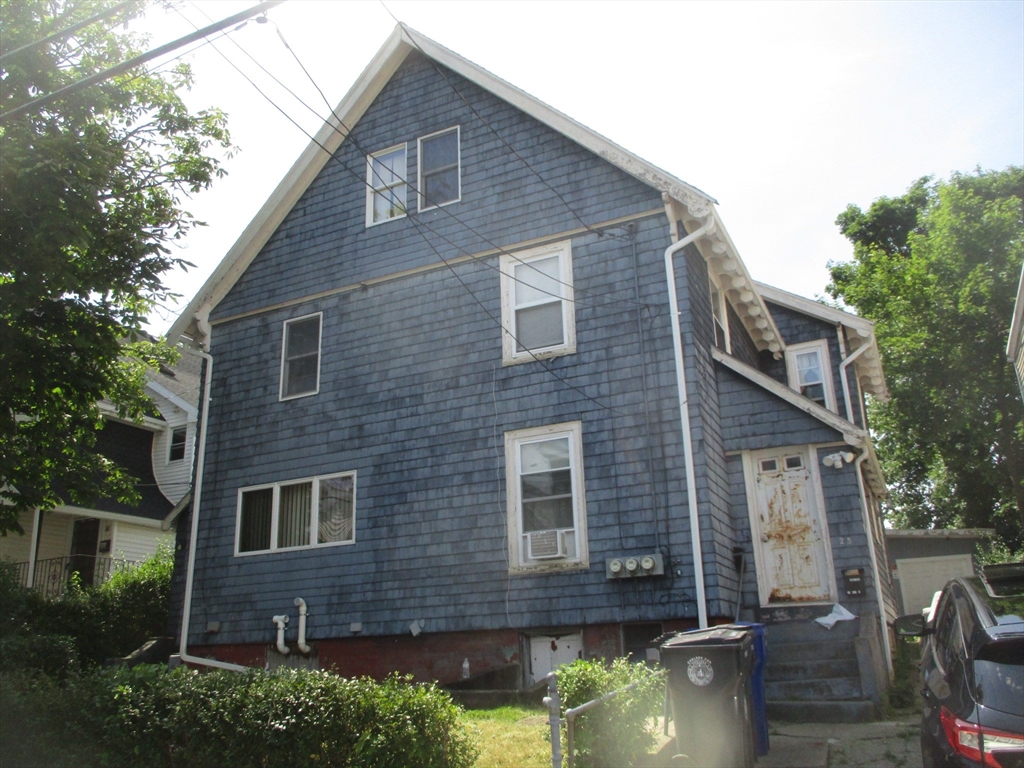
(785, 113)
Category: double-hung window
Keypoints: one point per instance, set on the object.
(547, 519)
(440, 179)
(537, 303)
(176, 445)
(810, 373)
(300, 357)
(385, 185)
(718, 314)
(313, 512)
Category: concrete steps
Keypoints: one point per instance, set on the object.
(814, 675)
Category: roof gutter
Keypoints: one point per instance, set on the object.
(194, 537)
(870, 533)
(684, 416)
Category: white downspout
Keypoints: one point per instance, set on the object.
(194, 537)
(281, 621)
(684, 415)
(870, 531)
(842, 371)
(37, 524)
(302, 625)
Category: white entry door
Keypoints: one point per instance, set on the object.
(791, 549)
(549, 653)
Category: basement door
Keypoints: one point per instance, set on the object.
(549, 653)
(791, 550)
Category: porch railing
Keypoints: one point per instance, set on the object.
(53, 575)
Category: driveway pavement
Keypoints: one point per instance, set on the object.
(884, 744)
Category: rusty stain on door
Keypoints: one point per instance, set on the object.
(791, 544)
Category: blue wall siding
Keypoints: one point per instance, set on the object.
(753, 418)
(324, 241)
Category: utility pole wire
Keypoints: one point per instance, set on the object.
(70, 30)
(137, 60)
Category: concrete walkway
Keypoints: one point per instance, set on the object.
(883, 744)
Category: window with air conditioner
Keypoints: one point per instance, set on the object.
(547, 519)
(297, 514)
(537, 309)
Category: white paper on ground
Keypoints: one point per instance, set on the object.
(838, 614)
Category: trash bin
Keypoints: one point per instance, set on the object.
(709, 686)
(757, 686)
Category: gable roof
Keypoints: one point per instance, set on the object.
(869, 363)
(851, 433)
(193, 321)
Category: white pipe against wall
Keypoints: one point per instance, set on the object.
(303, 648)
(197, 495)
(281, 621)
(684, 415)
(869, 530)
(842, 372)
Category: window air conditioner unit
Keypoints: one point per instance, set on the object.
(546, 545)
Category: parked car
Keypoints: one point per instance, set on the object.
(972, 669)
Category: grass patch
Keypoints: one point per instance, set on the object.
(511, 737)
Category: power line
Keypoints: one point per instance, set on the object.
(135, 61)
(358, 176)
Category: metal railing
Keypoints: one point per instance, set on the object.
(555, 721)
(53, 575)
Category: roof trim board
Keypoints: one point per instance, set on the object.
(869, 364)
(852, 434)
(194, 320)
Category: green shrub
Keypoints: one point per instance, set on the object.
(621, 730)
(83, 626)
(287, 718)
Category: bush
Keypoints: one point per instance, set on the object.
(83, 626)
(621, 730)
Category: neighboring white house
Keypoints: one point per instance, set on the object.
(95, 540)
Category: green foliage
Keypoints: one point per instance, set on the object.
(904, 690)
(621, 730)
(290, 718)
(937, 271)
(83, 627)
(90, 202)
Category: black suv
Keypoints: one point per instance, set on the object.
(972, 666)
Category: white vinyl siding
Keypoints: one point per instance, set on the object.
(135, 543)
(546, 505)
(173, 478)
(537, 309)
(15, 547)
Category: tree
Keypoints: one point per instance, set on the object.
(937, 271)
(91, 188)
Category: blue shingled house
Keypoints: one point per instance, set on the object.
(484, 388)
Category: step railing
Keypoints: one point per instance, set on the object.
(555, 721)
(53, 575)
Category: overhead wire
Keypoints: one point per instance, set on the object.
(333, 157)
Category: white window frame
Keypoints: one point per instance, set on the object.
(821, 345)
(518, 560)
(719, 307)
(373, 189)
(284, 347)
(170, 443)
(314, 515)
(421, 201)
(507, 265)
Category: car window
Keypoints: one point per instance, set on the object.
(947, 634)
(999, 676)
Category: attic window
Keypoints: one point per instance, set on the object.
(810, 373)
(385, 185)
(718, 315)
(440, 177)
(176, 451)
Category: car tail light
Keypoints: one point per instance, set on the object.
(977, 743)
